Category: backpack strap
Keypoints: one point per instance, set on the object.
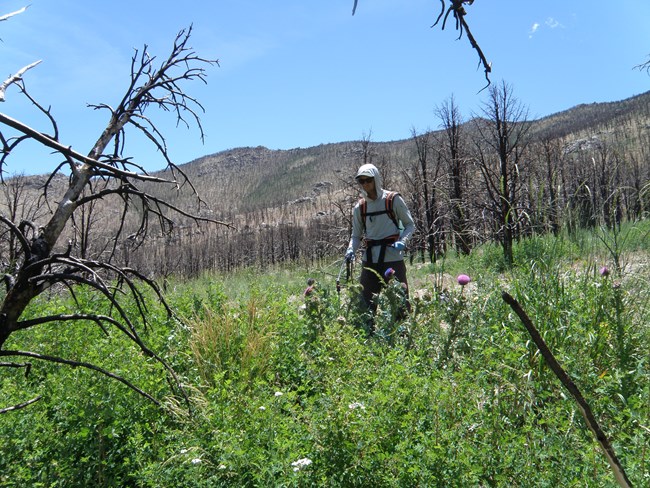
(390, 196)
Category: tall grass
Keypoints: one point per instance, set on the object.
(232, 344)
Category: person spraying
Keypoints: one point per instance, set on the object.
(382, 222)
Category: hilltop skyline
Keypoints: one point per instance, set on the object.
(296, 75)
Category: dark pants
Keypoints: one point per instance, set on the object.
(372, 284)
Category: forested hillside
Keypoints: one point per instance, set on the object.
(245, 172)
(584, 167)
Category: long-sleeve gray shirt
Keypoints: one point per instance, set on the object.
(378, 227)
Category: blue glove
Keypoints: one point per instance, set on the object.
(349, 255)
(399, 245)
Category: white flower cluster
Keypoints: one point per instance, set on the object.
(196, 460)
(300, 464)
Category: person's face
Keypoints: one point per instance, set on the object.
(366, 183)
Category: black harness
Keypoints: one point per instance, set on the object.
(387, 241)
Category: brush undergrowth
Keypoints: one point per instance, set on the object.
(289, 388)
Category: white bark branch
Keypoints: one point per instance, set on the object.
(17, 12)
(14, 78)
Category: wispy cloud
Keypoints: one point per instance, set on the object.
(550, 23)
(553, 23)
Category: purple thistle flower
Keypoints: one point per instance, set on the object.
(389, 273)
(604, 271)
(309, 290)
(463, 279)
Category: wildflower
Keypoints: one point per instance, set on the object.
(262, 408)
(278, 393)
(355, 405)
(309, 290)
(196, 461)
(301, 463)
(463, 279)
(389, 273)
(604, 271)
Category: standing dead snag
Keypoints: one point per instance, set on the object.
(104, 177)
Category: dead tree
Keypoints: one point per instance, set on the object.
(428, 177)
(452, 134)
(105, 176)
(501, 144)
(551, 155)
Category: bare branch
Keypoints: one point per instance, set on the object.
(92, 279)
(17, 12)
(27, 366)
(98, 319)
(18, 233)
(79, 364)
(20, 405)
(68, 151)
(68, 275)
(644, 67)
(146, 197)
(567, 382)
(457, 8)
(15, 78)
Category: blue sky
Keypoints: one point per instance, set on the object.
(300, 73)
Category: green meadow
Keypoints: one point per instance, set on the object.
(282, 388)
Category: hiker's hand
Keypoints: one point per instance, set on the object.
(349, 255)
(399, 245)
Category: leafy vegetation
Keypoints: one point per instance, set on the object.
(288, 388)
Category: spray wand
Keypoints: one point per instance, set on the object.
(347, 263)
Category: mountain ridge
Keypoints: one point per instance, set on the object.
(272, 177)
